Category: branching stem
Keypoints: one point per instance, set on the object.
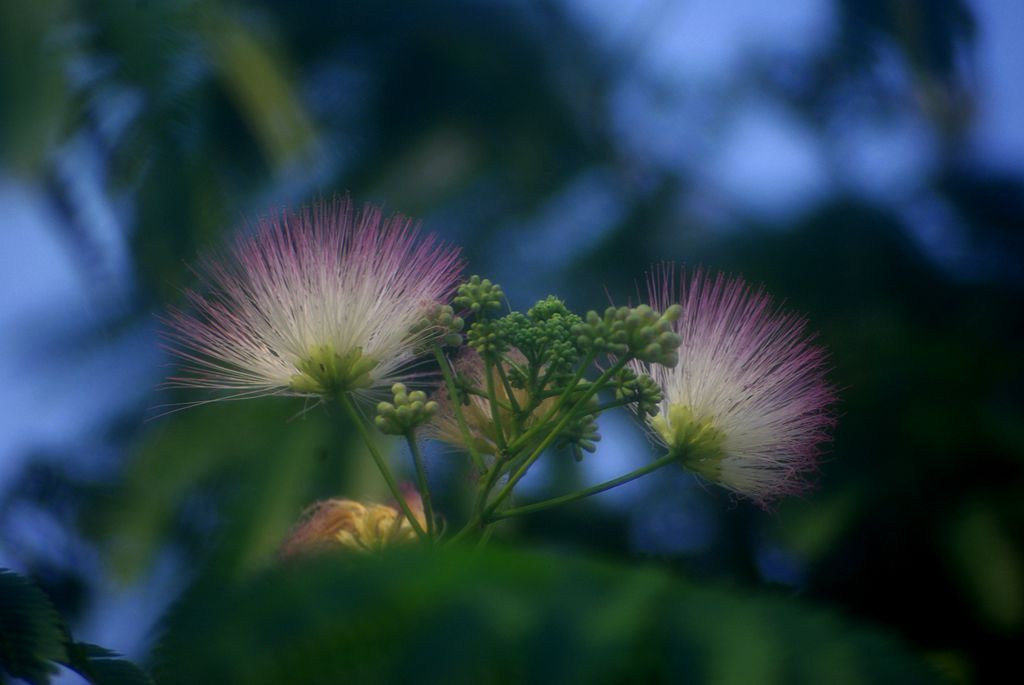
(382, 466)
(587, 492)
(453, 396)
(591, 390)
(421, 480)
(492, 395)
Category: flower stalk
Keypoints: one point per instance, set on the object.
(586, 492)
(382, 465)
(421, 480)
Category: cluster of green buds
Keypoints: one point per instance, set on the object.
(479, 296)
(487, 338)
(545, 335)
(636, 332)
(640, 389)
(581, 434)
(440, 325)
(405, 413)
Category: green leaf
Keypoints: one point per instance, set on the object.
(254, 464)
(32, 633)
(983, 552)
(102, 666)
(34, 640)
(493, 616)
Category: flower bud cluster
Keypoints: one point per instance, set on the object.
(487, 338)
(440, 325)
(549, 308)
(408, 411)
(545, 335)
(480, 296)
(638, 332)
(581, 434)
(638, 388)
(464, 385)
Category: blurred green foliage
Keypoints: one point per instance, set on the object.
(500, 616)
(236, 475)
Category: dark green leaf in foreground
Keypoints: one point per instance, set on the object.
(456, 616)
(32, 633)
(34, 640)
(101, 666)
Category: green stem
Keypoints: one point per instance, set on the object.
(488, 532)
(453, 396)
(421, 479)
(499, 434)
(492, 478)
(382, 465)
(534, 389)
(472, 525)
(580, 494)
(613, 405)
(481, 500)
(508, 389)
(523, 439)
(569, 415)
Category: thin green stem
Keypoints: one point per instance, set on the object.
(612, 405)
(492, 478)
(470, 526)
(523, 439)
(492, 395)
(382, 465)
(481, 501)
(534, 389)
(587, 492)
(508, 388)
(483, 395)
(453, 396)
(488, 532)
(591, 390)
(543, 381)
(421, 480)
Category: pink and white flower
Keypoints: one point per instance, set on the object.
(748, 404)
(314, 302)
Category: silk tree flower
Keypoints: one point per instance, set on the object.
(351, 525)
(748, 404)
(317, 302)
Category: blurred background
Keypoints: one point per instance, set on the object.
(864, 160)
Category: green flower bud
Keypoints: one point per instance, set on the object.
(547, 309)
(641, 389)
(635, 332)
(439, 325)
(405, 413)
(480, 296)
(545, 336)
(487, 338)
(581, 435)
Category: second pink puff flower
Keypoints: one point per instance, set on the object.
(748, 404)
